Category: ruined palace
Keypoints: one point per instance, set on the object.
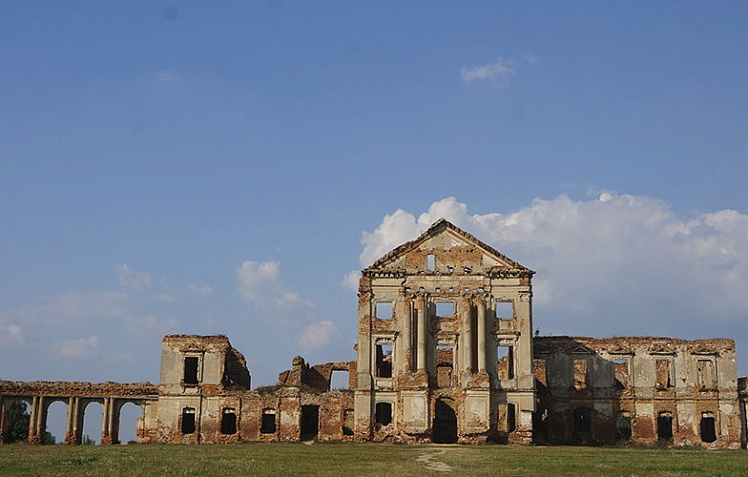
(445, 353)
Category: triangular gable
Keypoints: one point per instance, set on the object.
(437, 229)
(705, 351)
(661, 349)
(620, 350)
(581, 349)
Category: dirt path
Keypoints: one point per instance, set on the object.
(429, 460)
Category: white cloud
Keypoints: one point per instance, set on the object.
(11, 334)
(528, 58)
(500, 73)
(72, 306)
(621, 263)
(131, 279)
(260, 283)
(318, 335)
(200, 290)
(80, 348)
(166, 76)
(149, 325)
(350, 280)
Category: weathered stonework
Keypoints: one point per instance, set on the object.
(445, 353)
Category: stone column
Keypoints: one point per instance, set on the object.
(481, 304)
(364, 340)
(406, 343)
(466, 333)
(76, 413)
(69, 419)
(421, 306)
(108, 436)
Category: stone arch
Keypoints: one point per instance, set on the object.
(54, 422)
(444, 430)
(128, 423)
(91, 420)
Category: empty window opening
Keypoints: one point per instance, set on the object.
(507, 418)
(309, 422)
(540, 371)
(93, 415)
(505, 310)
(228, 421)
(438, 290)
(582, 420)
(505, 363)
(268, 421)
(445, 309)
(188, 420)
(623, 426)
(708, 428)
(131, 423)
(621, 373)
(445, 423)
(664, 375)
(444, 366)
(384, 310)
(430, 262)
(450, 269)
(190, 370)
(339, 379)
(348, 420)
(580, 373)
(706, 373)
(383, 415)
(54, 425)
(665, 426)
(384, 361)
(18, 422)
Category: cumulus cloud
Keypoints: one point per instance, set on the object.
(129, 278)
(350, 280)
(260, 284)
(621, 263)
(499, 73)
(318, 335)
(79, 348)
(200, 290)
(11, 334)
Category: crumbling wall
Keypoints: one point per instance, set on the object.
(318, 376)
(642, 389)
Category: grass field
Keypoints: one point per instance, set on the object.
(365, 459)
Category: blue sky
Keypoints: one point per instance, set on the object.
(223, 167)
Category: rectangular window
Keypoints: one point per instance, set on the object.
(384, 361)
(384, 310)
(430, 262)
(505, 310)
(506, 362)
(445, 309)
(190, 370)
(664, 375)
(268, 421)
(383, 413)
(706, 373)
(622, 373)
(665, 426)
(228, 421)
(540, 370)
(188, 420)
(708, 428)
(580, 373)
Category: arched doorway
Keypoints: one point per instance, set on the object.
(445, 422)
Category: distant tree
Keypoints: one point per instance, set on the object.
(18, 422)
(87, 441)
(48, 439)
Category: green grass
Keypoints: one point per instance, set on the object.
(364, 459)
